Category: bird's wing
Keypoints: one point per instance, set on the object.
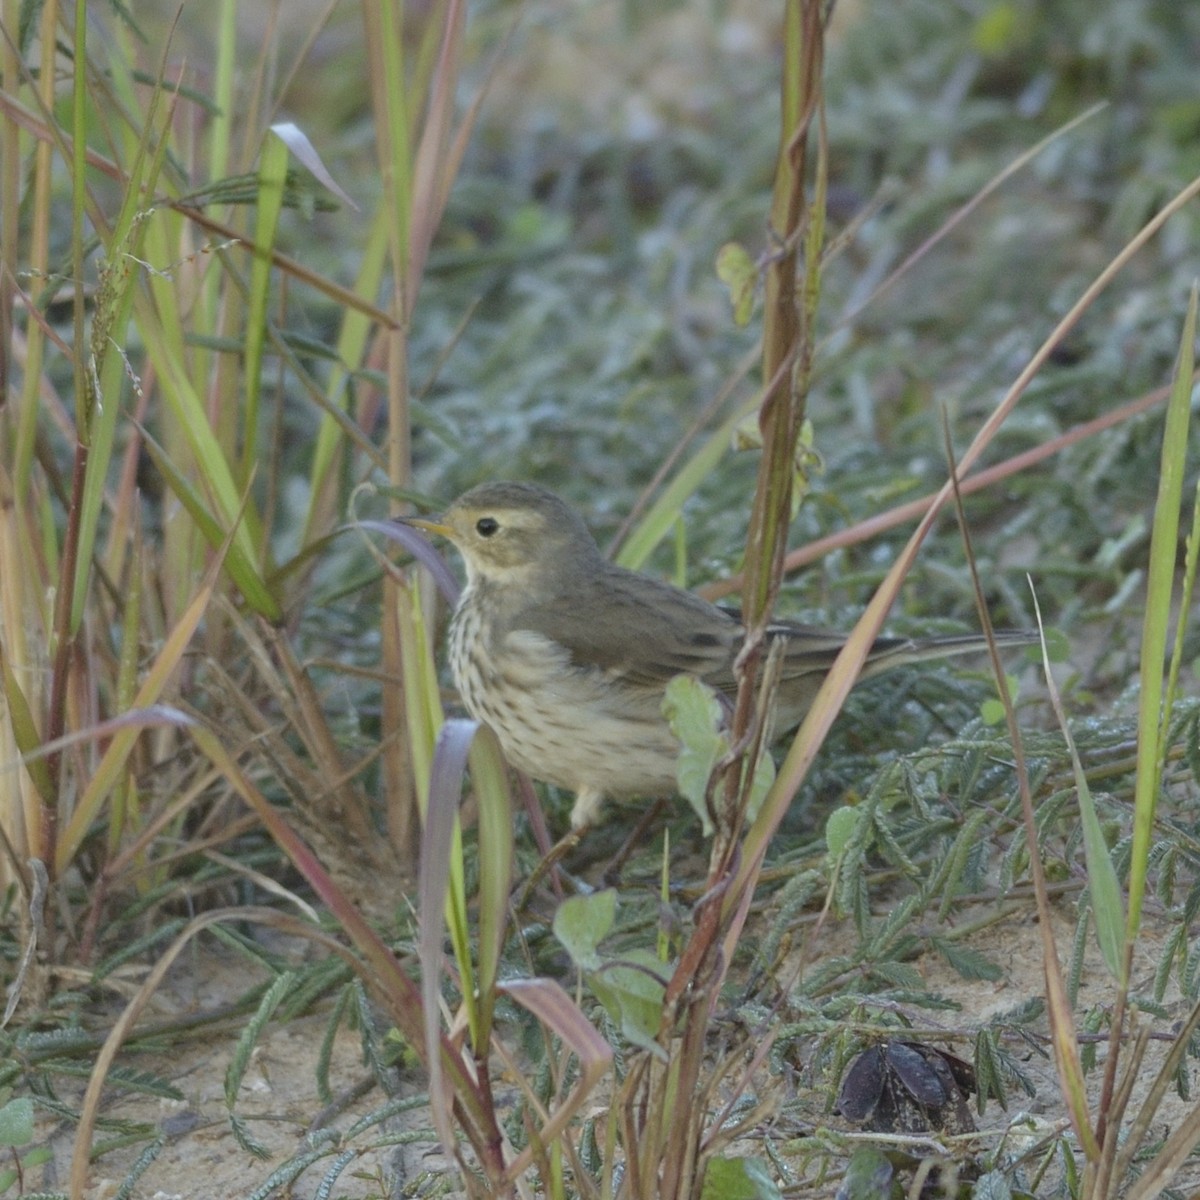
(811, 649)
(808, 653)
(638, 631)
(644, 633)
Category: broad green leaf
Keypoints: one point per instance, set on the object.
(581, 923)
(992, 711)
(993, 1186)
(16, 1122)
(695, 716)
(738, 1179)
(631, 990)
(839, 829)
(869, 1176)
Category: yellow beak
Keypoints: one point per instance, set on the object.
(428, 526)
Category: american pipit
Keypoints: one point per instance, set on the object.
(566, 656)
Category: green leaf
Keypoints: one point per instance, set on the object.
(989, 1079)
(839, 829)
(992, 1186)
(695, 716)
(631, 991)
(16, 1122)
(24, 730)
(764, 776)
(737, 271)
(240, 565)
(997, 30)
(898, 975)
(969, 963)
(236, 1070)
(1058, 647)
(272, 173)
(869, 1176)
(581, 923)
(992, 711)
(738, 1179)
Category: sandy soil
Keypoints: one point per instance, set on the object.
(202, 1160)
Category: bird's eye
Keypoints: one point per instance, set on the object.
(486, 526)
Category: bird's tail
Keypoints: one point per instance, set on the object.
(809, 653)
(891, 652)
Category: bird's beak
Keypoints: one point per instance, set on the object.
(427, 526)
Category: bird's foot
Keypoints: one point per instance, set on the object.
(550, 865)
(612, 872)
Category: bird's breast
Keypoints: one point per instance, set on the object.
(569, 725)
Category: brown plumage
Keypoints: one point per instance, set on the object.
(566, 656)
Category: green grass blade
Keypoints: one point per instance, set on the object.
(351, 345)
(660, 518)
(110, 321)
(272, 172)
(489, 779)
(107, 772)
(1160, 585)
(191, 419)
(1102, 875)
(242, 570)
(25, 731)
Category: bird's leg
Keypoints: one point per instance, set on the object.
(549, 865)
(585, 812)
(588, 802)
(612, 872)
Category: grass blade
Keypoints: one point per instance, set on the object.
(1102, 875)
(1160, 585)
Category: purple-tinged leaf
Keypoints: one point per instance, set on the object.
(554, 1009)
(422, 549)
(433, 891)
(381, 970)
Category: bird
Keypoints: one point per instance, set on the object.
(566, 656)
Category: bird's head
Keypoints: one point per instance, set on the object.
(515, 534)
